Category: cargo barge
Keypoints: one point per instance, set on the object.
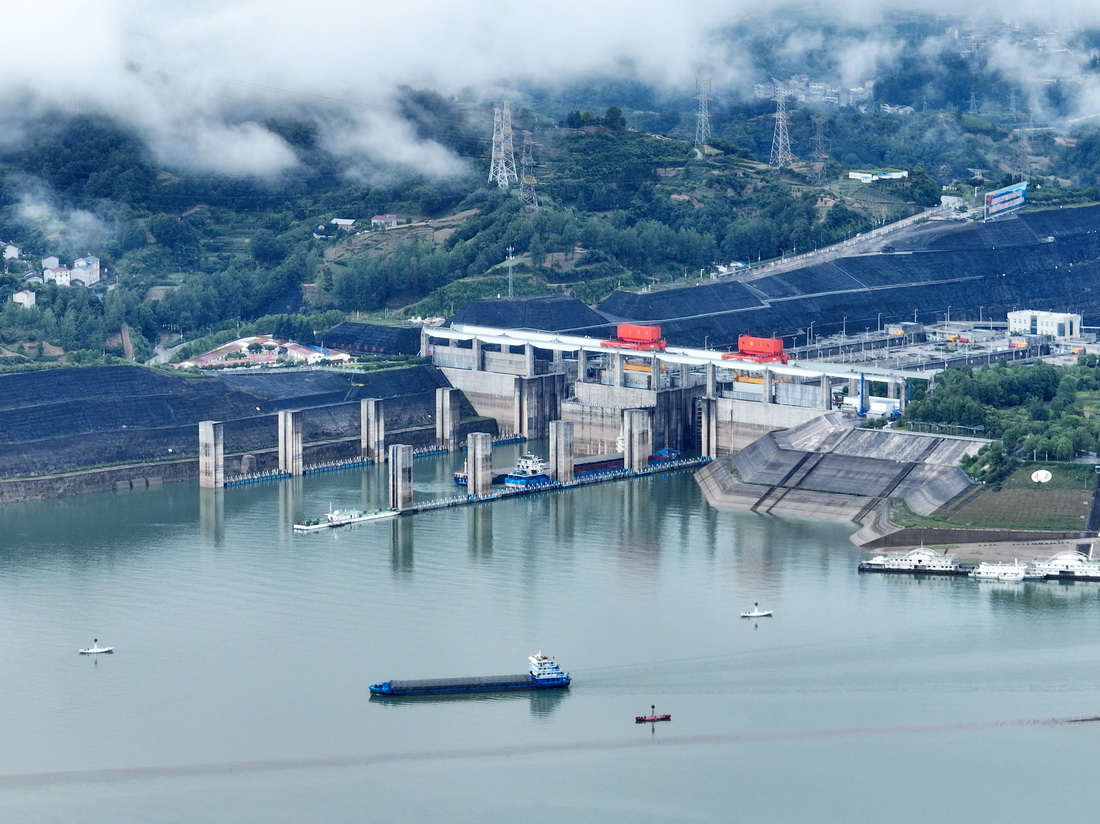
(582, 467)
(543, 673)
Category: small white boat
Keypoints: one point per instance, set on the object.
(757, 612)
(999, 571)
(95, 648)
(343, 517)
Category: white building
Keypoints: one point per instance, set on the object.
(344, 224)
(51, 262)
(58, 274)
(11, 251)
(1058, 325)
(86, 270)
(25, 298)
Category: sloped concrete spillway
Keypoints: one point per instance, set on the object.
(826, 468)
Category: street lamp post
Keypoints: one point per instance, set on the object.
(705, 339)
(844, 327)
(810, 334)
(980, 309)
(878, 327)
(948, 323)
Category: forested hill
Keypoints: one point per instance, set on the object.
(618, 207)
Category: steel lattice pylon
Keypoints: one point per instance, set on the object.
(702, 119)
(502, 167)
(781, 142)
(527, 194)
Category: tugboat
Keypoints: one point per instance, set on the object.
(543, 673)
(652, 717)
(530, 471)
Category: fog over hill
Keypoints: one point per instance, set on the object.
(197, 80)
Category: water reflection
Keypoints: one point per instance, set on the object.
(401, 542)
(212, 517)
(543, 703)
(479, 530)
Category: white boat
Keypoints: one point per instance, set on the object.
(999, 571)
(95, 648)
(915, 562)
(757, 612)
(343, 517)
(1068, 565)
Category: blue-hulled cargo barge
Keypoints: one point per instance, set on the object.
(543, 674)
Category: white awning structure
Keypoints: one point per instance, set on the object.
(812, 370)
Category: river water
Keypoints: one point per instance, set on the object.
(238, 688)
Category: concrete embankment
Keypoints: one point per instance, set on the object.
(826, 470)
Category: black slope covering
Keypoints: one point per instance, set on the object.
(59, 420)
(545, 314)
(372, 339)
(1043, 260)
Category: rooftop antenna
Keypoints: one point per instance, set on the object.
(702, 118)
(502, 167)
(781, 142)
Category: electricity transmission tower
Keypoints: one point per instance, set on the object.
(527, 194)
(502, 167)
(820, 151)
(702, 118)
(781, 142)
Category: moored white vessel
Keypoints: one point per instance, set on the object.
(1066, 565)
(999, 571)
(915, 562)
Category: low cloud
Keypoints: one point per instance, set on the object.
(197, 79)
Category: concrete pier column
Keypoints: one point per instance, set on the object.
(826, 393)
(528, 360)
(637, 439)
(479, 464)
(290, 441)
(423, 342)
(401, 476)
(903, 395)
(708, 427)
(864, 386)
(582, 366)
(372, 429)
(446, 417)
(475, 355)
(211, 455)
(617, 369)
(712, 380)
(561, 451)
(559, 361)
(766, 375)
(655, 371)
(683, 375)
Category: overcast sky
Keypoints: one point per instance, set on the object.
(188, 74)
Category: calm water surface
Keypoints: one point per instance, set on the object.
(238, 690)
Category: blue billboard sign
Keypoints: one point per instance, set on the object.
(1005, 200)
